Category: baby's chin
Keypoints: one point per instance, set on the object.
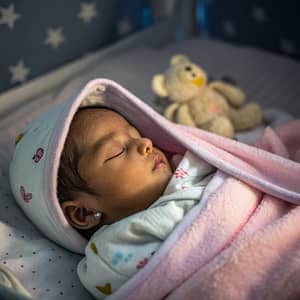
(166, 180)
(159, 188)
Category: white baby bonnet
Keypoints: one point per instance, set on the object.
(35, 163)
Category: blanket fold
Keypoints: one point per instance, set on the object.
(255, 166)
(253, 262)
(240, 243)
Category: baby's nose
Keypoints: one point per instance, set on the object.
(145, 146)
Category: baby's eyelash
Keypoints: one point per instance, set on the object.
(114, 156)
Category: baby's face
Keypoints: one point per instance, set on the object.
(126, 172)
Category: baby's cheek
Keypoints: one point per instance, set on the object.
(125, 182)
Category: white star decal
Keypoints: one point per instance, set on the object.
(229, 28)
(287, 46)
(19, 72)
(54, 37)
(259, 15)
(124, 26)
(8, 16)
(87, 12)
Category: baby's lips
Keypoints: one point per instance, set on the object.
(157, 161)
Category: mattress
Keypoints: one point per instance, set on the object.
(47, 270)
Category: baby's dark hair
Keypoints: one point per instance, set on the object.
(69, 180)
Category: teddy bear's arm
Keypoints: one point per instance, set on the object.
(170, 111)
(159, 85)
(247, 117)
(234, 95)
(184, 116)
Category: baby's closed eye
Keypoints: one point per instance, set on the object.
(115, 153)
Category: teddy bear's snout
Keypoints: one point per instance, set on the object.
(194, 75)
(198, 81)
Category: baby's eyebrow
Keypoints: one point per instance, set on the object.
(100, 143)
(96, 147)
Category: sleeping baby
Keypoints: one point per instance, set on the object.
(97, 172)
(116, 183)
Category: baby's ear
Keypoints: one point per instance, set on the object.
(79, 216)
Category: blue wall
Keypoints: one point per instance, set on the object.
(269, 24)
(39, 36)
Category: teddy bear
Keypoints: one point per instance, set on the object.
(217, 106)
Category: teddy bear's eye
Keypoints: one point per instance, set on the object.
(188, 68)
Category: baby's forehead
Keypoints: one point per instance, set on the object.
(88, 120)
(94, 116)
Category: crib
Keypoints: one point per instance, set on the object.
(128, 42)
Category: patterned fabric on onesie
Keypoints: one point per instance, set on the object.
(117, 251)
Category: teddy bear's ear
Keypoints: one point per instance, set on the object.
(178, 58)
(158, 85)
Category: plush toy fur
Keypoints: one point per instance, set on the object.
(215, 106)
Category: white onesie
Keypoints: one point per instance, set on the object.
(117, 251)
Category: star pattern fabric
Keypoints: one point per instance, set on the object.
(55, 37)
(229, 28)
(42, 36)
(259, 15)
(19, 72)
(288, 46)
(37, 36)
(87, 12)
(8, 16)
(270, 25)
(124, 26)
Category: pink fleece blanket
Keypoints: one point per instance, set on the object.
(243, 243)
